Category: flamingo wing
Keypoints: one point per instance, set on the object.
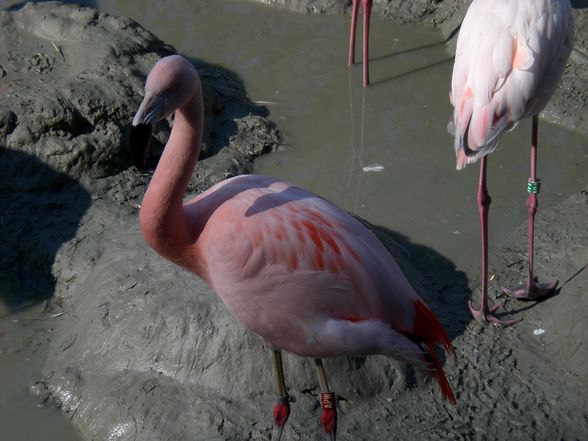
(309, 278)
(277, 252)
(509, 57)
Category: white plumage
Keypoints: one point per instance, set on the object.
(510, 55)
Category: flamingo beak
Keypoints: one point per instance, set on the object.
(150, 112)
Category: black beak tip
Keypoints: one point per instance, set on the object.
(140, 143)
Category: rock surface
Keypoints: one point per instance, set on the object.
(126, 362)
(68, 96)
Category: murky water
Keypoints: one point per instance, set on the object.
(383, 153)
(22, 353)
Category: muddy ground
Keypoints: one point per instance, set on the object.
(139, 349)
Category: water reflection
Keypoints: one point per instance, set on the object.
(356, 163)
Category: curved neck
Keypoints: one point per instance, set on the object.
(163, 222)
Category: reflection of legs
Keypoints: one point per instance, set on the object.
(282, 407)
(532, 289)
(328, 403)
(485, 314)
(359, 157)
(351, 58)
(352, 165)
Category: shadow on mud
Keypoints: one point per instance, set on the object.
(225, 100)
(40, 209)
(443, 288)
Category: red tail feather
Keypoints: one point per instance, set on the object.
(429, 331)
(439, 373)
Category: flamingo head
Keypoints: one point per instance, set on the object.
(172, 82)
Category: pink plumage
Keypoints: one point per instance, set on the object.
(301, 273)
(510, 55)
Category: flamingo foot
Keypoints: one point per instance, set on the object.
(488, 316)
(329, 415)
(281, 413)
(532, 291)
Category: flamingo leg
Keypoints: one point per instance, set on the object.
(282, 407)
(532, 289)
(486, 314)
(351, 58)
(367, 12)
(328, 403)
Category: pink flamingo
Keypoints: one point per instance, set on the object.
(367, 10)
(302, 274)
(510, 55)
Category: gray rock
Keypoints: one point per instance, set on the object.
(570, 100)
(429, 12)
(72, 78)
(309, 6)
(70, 102)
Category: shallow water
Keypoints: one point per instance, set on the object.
(382, 153)
(22, 355)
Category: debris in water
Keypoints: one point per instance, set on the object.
(266, 103)
(373, 168)
(539, 331)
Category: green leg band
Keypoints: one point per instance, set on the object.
(534, 187)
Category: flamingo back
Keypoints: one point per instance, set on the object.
(510, 55)
(287, 263)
